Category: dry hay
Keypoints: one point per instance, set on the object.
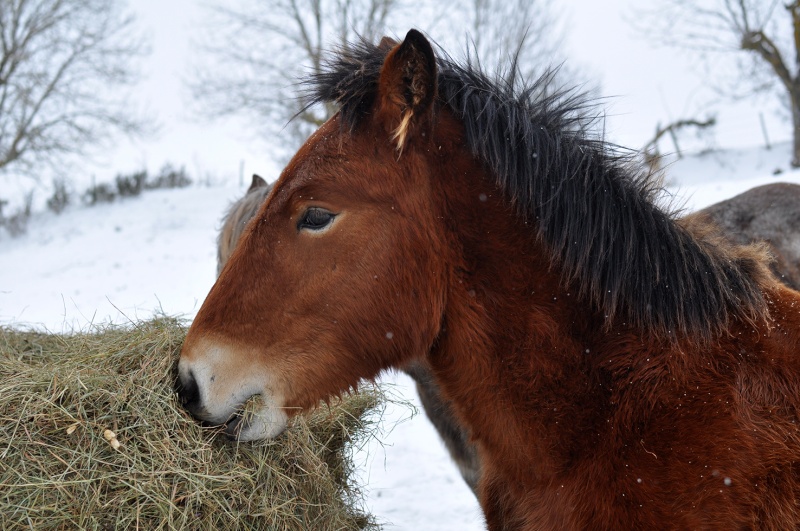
(60, 394)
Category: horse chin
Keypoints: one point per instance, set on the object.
(265, 423)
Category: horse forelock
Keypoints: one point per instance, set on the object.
(595, 210)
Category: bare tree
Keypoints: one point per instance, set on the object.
(748, 46)
(530, 31)
(259, 49)
(62, 64)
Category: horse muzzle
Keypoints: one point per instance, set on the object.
(243, 404)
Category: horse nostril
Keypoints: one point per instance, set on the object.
(188, 392)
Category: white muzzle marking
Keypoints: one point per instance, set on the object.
(224, 390)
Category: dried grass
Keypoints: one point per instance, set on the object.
(59, 394)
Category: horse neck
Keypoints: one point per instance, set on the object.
(511, 328)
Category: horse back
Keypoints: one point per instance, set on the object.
(726, 422)
(770, 213)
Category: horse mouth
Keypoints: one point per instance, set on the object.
(233, 427)
(243, 416)
(255, 419)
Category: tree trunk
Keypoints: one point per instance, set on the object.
(795, 131)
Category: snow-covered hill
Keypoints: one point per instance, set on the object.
(157, 252)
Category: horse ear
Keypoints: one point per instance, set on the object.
(257, 183)
(407, 87)
(387, 43)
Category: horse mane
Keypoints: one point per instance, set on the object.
(593, 207)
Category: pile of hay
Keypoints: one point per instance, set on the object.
(59, 468)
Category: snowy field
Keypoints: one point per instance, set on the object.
(158, 253)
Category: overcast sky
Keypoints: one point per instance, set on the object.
(645, 86)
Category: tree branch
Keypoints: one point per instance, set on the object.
(60, 60)
(758, 42)
(675, 127)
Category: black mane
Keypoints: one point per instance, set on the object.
(593, 209)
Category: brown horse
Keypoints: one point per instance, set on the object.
(617, 369)
(769, 213)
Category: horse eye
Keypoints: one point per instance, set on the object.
(315, 219)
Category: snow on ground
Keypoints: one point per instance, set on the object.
(705, 179)
(158, 253)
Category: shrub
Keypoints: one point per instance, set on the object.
(99, 193)
(169, 177)
(61, 196)
(16, 224)
(131, 185)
